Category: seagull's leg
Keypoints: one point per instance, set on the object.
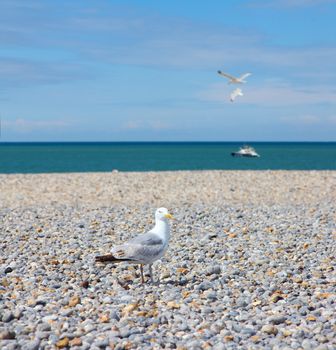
(142, 276)
(151, 273)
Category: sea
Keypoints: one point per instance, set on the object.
(65, 157)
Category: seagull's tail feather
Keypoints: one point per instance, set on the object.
(108, 258)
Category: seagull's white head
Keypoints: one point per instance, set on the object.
(162, 214)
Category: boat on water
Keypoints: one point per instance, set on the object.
(246, 151)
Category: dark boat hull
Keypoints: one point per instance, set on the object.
(236, 154)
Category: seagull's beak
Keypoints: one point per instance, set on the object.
(169, 216)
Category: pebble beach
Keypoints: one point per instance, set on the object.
(250, 264)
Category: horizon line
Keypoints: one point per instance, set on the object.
(177, 141)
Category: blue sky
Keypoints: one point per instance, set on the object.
(130, 70)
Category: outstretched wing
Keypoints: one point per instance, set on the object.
(226, 75)
(244, 76)
(235, 93)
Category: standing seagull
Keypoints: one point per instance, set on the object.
(234, 80)
(145, 248)
(235, 93)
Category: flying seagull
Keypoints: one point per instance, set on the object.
(145, 248)
(234, 80)
(235, 93)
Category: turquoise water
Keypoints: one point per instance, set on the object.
(137, 156)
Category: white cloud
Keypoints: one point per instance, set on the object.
(146, 125)
(20, 72)
(304, 119)
(132, 125)
(120, 35)
(25, 126)
(159, 125)
(311, 121)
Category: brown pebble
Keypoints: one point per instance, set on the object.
(85, 284)
(228, 338)
(74, 301)
(311, 318)
(104, 318)
(276, 297)
(75, 342)
(4, 282)
(7, 335)
(63, 343)
(255, 338)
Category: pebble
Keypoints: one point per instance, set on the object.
(7, 334)
(276, 320)
(214, 270)
(269, 329)
(7, 316)
(248, 331)
(204, 286)
(322, 347)
(32, 345)
(8, 269)
(42, 335)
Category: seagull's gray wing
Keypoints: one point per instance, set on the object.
(142, 248)
(148, 238)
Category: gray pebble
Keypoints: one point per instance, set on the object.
(269, 329)
(44, 327)
(7, 316)
(32, 345)
(322, 347)
(277, 319)
(248, 331)
(214, 270)
(42, 335)
(204, 285)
